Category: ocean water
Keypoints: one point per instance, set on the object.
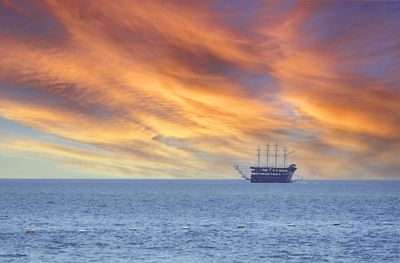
(158, 209)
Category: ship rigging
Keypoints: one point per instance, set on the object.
(269, 173)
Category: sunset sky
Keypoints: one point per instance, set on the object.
(187, 89)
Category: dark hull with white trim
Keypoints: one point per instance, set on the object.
(272, 175)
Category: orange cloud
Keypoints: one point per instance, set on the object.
(161, 84)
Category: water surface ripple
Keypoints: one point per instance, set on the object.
(158, 209)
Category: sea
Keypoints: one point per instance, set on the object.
(197, 221)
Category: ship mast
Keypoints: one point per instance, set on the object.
(276, 154)
(284, 157)
(267, 154)
(258, 155)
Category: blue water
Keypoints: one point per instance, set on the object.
(106, 209)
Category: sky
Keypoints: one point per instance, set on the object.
(187, 89)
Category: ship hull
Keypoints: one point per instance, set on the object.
(272, 175)
(285, 178)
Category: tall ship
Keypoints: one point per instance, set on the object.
(271, 172)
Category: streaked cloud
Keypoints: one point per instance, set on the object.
(186, 90)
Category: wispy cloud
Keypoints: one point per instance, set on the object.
(165, 89)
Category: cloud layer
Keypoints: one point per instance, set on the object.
(170, 89)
